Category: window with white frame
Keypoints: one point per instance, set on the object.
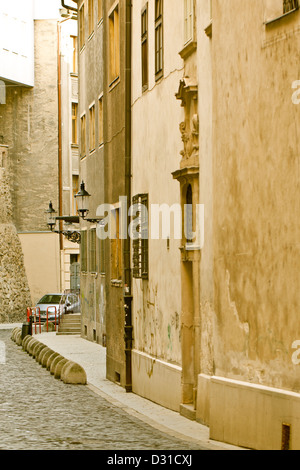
(159, 40)
(188, 20)
(114, 44)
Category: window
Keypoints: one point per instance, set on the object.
(74, 55)
(145, 48)
(189, 235)
(81, 27)
(91, 16)
(275, 9)
(188, 20)
(83, 135)
(114, 45)
(75, 189)
(100, 120)
(100, 10)
(100, 255)
(158, 39)
(83, 251)
(289, 5)
(92, 141)
(140, 238)
(92, 250)
(74, 124)
(116, 248)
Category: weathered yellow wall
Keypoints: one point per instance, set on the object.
(256, 194)
(156, 147)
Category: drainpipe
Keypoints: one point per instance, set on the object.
(59, 137)
(127, 248)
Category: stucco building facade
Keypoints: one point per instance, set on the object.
(92, 167)
(253, 317)
(204, 114)
(35, 129)
(232, 357)
(156, 146)
(29, 112)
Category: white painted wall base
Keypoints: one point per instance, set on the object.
(156, 380)
(248, 415)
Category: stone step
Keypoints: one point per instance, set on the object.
(188, 411)
(69, 328)
(70, 325)
(68, 333)
(67, 318)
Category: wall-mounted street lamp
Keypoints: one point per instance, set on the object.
(51, 219)
(82, 198)
(71, 234)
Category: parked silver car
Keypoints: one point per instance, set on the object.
(57, 305)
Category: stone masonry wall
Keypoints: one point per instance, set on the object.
(14, 289)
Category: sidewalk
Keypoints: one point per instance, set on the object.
(92, 357)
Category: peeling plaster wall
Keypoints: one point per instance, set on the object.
(156, 147)
(256, 195)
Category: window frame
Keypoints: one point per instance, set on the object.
(100, 121)
(91, 16)
(92, 128)
(83, 135)
(159, 39)
(100, 11)
(145, 47)
(74, 123)
(289, 6)
(83, 252)
(81, 15)
(140, 245)
(75, 189)
(74, 40)
(92, 251)
(188, 21)
(100, 255)
(114, 44)
(116, 247)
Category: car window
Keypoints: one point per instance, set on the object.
(50, 299)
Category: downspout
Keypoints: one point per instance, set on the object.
(59, 138)
(127, 241)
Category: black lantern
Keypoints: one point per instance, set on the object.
(83, 201)
(51, 219)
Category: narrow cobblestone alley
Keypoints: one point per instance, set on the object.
(38, 412)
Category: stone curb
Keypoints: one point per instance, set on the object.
(54, 363)
(73, 373)
(51, 359)
(64, 369)
(58, 368)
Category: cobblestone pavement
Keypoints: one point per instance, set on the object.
(38, 412)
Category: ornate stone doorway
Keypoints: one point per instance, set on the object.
(188, 177)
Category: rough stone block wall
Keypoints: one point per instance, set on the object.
(14, 290)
